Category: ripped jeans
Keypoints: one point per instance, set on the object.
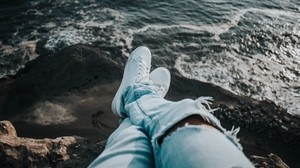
(135, 142)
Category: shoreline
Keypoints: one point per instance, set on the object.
(69, 93)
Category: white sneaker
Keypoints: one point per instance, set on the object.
(136, 70)
(161, 79)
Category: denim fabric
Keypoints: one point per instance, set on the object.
(156, 115)
(153, 115)
(128, 146)
(200, 146)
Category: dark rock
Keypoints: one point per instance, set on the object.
(271, 161)
(231, 107)
(66, 151)
(252, 105)
(264, 109)
(242, 102)
(284, 128)
(71, 69)
(286, 118)
(18, 152)
(83, 80)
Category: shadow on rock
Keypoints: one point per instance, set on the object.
(74, 68)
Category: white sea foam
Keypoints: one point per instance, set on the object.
(216, 30)
(250, 77)
(65, 37)
(81, 31)
(258, 77)
(273, 75)
(261, 76)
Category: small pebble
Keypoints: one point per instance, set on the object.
(242, 102)
(231, 107)
(252, 105)
(286, 119)
(284, 128)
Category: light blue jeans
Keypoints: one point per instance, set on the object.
(135, 142)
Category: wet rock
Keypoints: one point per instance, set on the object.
(242, 102)
(284, 128)
(231, 107)
(264, 109)
(286, 119)
(271, 161)
(252, 105)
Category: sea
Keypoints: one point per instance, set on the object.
(248, 47)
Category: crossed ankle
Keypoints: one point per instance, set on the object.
(191, 120)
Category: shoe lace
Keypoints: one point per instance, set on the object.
(143, 73)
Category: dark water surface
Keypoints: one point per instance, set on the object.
(251, 48)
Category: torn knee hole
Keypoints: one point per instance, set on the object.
(191, 120)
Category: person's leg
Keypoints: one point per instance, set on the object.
(157, 116)
(197, 146)
(128, 146)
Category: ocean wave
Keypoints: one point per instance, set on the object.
(263, 64)
(252, 51)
